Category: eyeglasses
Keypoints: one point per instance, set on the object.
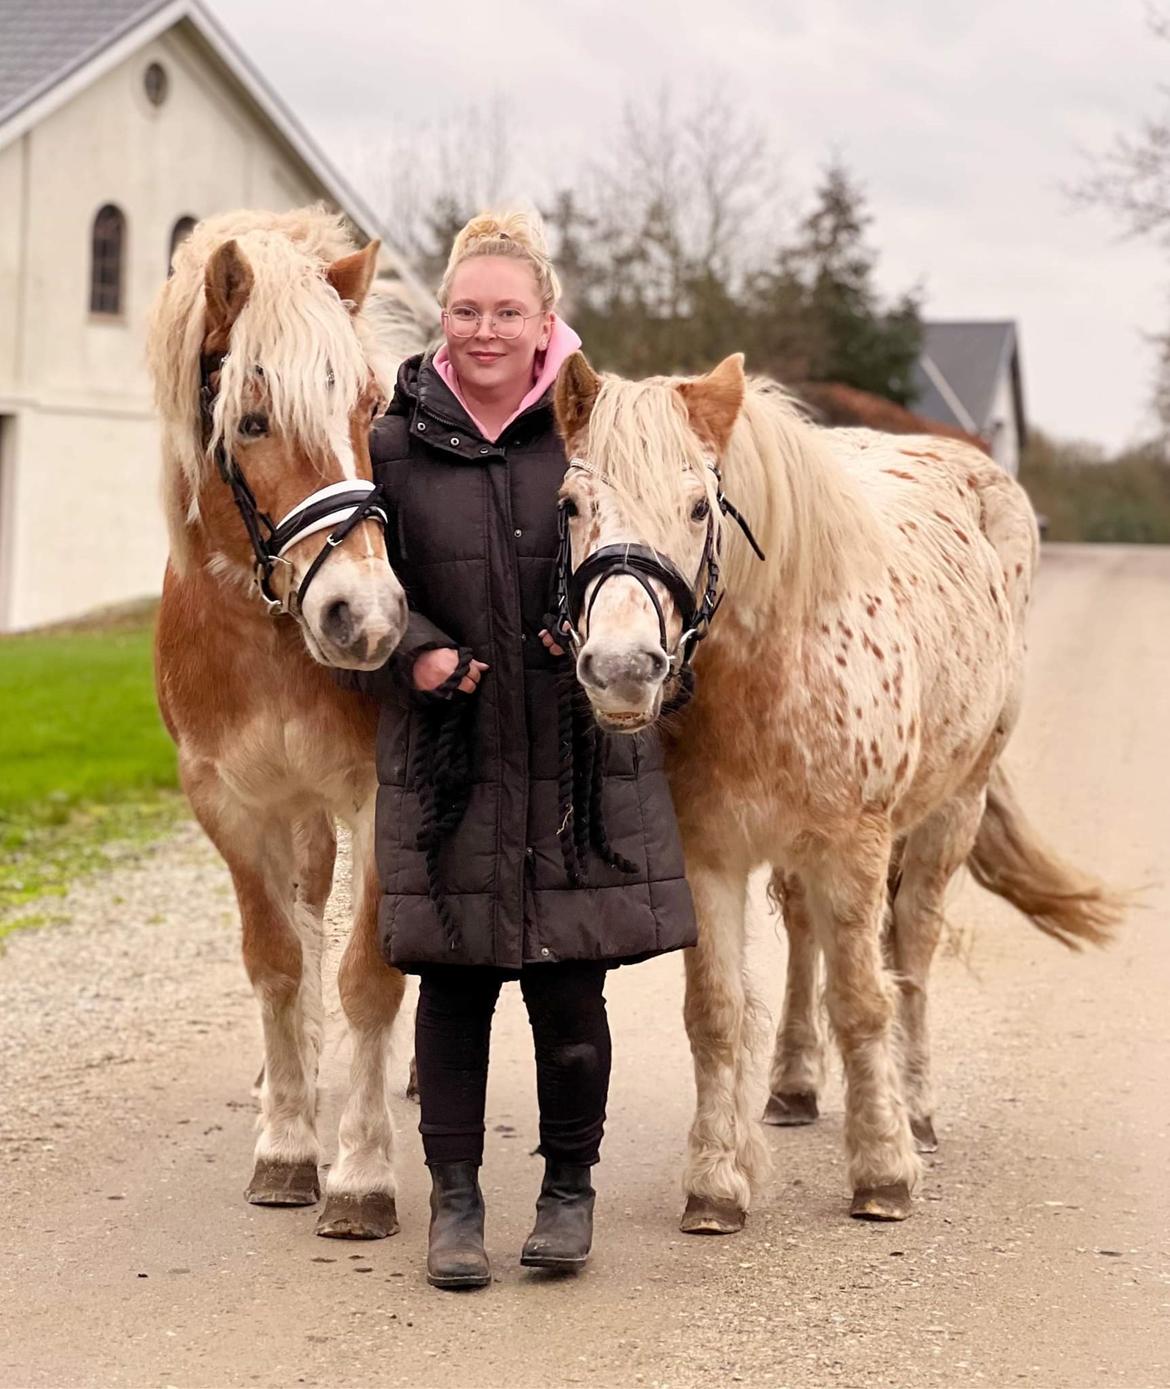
(464, 321)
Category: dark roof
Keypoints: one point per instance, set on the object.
(837, 404)
(43, 41)
(959, 369)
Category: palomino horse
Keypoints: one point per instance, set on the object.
(270, 360)
(851, 705)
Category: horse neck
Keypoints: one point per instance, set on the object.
(814, 525)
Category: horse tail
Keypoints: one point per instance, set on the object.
(1010, 860)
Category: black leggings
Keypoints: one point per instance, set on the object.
(452, 1031)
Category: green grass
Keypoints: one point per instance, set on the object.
(84, 759)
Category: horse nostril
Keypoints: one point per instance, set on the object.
(650, 665)
(587, 671)
(337, 622)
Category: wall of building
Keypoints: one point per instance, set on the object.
(85, 486)
(1004, 434)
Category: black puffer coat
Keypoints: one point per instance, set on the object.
(476, 547)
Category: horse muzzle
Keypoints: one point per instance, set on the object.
(624, 684)
(352, 618)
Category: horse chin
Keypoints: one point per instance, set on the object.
(629, 720)
(326, 654)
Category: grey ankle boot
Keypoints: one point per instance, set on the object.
(455, 1254)
(563, 1233)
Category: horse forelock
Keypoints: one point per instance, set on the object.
(315, 356)
(640, 444)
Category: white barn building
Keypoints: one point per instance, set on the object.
(120, 121)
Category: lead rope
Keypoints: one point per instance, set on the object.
(580, 784)
(441, 774)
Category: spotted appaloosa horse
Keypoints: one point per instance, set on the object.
(270, 356)
(852, 702)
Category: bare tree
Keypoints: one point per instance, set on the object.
(1132, 177)
(1132, 180)
(425, 181)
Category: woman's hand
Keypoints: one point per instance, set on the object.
(551, 642)
(433, 667)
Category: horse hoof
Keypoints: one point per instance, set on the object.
(924, 1136)
(712, 1215)
(881, 1202)
(789, 1111)
(373, 1216)
(283, 1184)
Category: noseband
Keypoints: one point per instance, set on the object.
(643, 563)
(337, 507)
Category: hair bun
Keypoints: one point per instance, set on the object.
(520, 225)
(517, 232)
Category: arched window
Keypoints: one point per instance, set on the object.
(179, 233)
(108, 254)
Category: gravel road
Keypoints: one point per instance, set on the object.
(1037, 1253)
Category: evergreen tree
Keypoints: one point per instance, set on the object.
(852, 338)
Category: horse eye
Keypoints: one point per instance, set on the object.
(254, 426)
(570, 506)
(701, 510)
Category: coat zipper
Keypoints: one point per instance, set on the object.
(515, 567)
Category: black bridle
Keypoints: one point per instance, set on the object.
(337, 507)
(642, 563)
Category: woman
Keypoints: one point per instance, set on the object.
(474, 782)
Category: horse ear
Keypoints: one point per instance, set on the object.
(227, 282)
(352, 276)
(575, 395)
(713, 401)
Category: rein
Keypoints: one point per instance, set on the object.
(643, 563)
(338, 507)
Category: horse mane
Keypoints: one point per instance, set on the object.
(806, 511)
(316, 356)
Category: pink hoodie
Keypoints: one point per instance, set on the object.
(562, 343)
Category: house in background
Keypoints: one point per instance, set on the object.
(121, 122)
(968, 376)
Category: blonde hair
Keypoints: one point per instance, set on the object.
(518, 235)
(316, 356)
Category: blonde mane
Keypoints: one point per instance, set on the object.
(315, 355)
(805, 510)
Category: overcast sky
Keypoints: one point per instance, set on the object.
(963, 121)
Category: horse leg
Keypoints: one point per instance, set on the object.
(934, 850)
(846, 898)
(726, 1154)
(258, 850)
(315, 854)
(798, 1059)
(361, 1188)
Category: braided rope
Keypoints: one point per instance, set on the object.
(606, 852)
(441, 774)
(580, 784)
(566, 778)
(585, 759)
